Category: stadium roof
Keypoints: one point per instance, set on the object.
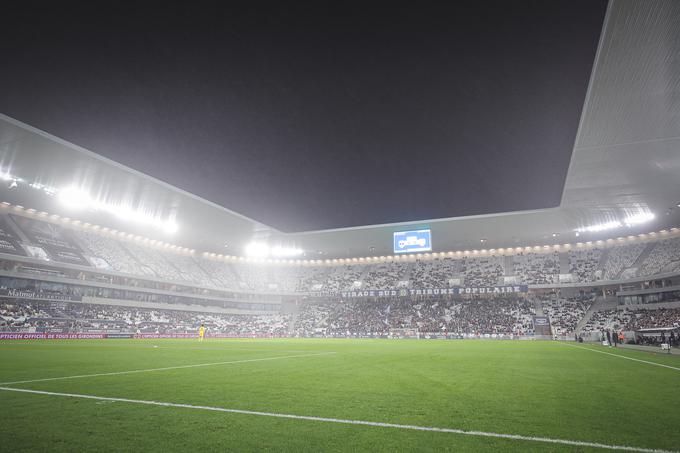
(625, 163)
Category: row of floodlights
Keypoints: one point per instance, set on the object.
(75, 198)
(629, 222)
(279, 252)
(96, 228)
(262, 250)
(457, 254)
(78, 199)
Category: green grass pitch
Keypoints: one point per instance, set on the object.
(533, 389)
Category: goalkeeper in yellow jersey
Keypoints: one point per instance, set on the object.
(201, 332)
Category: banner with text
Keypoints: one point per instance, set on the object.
(50, 336)
(101, 336)
(470, 290)
(208, 335)
(30, 294)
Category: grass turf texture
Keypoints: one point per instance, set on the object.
(542, 389)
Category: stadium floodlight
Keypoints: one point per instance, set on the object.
(600, 227)
(630, 221)
(257, 249)
(286, 251)
(637, 219)
(74, 198)
(170, 227)
(262, 250)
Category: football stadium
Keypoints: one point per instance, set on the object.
(139, 313)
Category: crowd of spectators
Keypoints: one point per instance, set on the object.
(363, 317)
(661, 317)
(566, 313)
(313, 279)
(607, 320)
(633, 319)
(664, 257)
(190, 270)
(436, 273)
(495, 315)
(537, 268)
(344, 278)
(270, 277)
(387, 275)
(483, 271)
(113, 254)
(507, 315)
(221, 273)
(155, 260)
(620, 258)
(583, 265)
(17, 312)
(67, 317)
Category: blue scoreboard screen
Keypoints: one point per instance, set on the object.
(412, 241)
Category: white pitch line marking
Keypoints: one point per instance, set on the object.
(622, 356)
(115, 373)
(148, 345)
(350, 422)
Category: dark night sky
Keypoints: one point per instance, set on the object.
(319, 117)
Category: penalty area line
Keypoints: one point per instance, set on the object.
(622, 356)
(178, 367)
(348, 422)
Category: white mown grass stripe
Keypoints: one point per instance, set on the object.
(178, 367)
(350, 422)
(622, 356)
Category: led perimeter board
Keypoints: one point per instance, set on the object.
(412, 241)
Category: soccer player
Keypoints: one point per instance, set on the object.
(201, 332)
